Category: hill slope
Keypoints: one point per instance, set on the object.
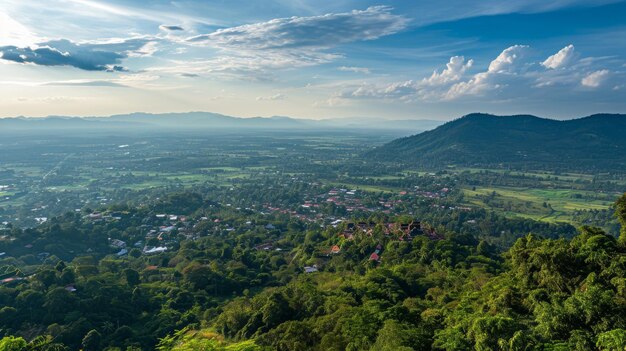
(597, 142)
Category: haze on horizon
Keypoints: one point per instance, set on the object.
(313, 59)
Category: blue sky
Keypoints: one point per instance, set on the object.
(313, 58)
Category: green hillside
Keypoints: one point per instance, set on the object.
(595, 143)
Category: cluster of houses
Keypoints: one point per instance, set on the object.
(354, 201)
(404, 232)
(399, 231)
(163, 228)
(162, 231)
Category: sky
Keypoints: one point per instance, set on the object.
(313, 58)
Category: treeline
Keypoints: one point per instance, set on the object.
(542, 294)
(226, 290)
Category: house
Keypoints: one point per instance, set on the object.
(167, 229)
(70, 288)
(408, 230)
(335, 249)
(10, 280)
(266, 246)
(117, 243)
(310, 269)
(41, 220)
(155, 250)
(374, 257)
(122, 252)
(347, 235)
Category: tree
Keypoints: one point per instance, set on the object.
(47, 277)
(59, 301)
(291, 335)
(489, 332)
(11, 343)
(134, 252)
(8, 315)
(397, 336)
(614, 340)
(60, 266)
(620, 213)
(132, 277)
(91, 341)
(67, 276)
(202, 277)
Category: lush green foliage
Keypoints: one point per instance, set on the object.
(479, 140)
(221, 292)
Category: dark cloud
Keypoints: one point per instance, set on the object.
(87, 56)
(171, 28)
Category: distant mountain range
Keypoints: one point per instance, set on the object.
(596, 142)
(202, 121)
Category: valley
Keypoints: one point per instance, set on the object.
(282, 240)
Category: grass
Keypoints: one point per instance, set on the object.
(529, 203)
(387, 177)
(538, 174)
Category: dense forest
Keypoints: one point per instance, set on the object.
(522, 142)
(243, 280)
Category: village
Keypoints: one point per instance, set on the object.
(332, 207)
(163, 232)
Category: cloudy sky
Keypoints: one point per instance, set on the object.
(313, 58)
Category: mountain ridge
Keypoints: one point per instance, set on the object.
(480, 139)
(198, 120)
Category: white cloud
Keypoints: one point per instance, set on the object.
(409, 90)
(500, 71)
(512, 75)
(561, 59)
(14, 33)
(508, 60)
(254, 66)
(454, 70)
(105, 9)
(449, 83)
(363, 70)
(398, 90)
(595, 79)
(315, 32)
(136, 80)
(296, 41)
(271, 97)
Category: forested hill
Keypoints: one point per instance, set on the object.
(596, 142)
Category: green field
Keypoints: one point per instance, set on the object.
(552, 205)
